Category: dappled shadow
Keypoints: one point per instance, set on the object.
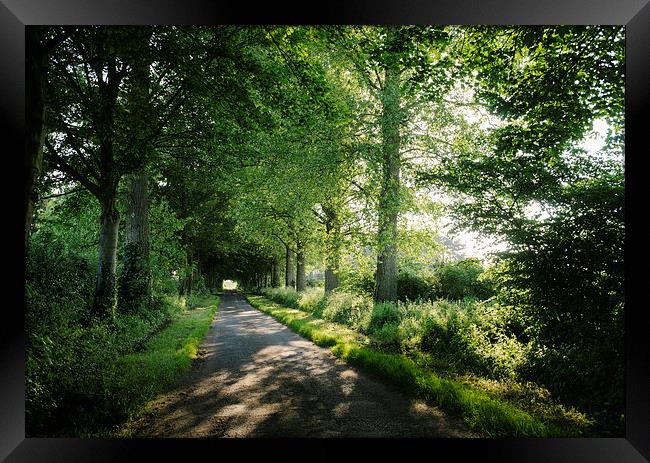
(254, 377)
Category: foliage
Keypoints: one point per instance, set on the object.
(333, 141)
(284, 296)
(162, 361)
(311, 299)
(166, 247)
(348, 309)
(569, 289)
(81, 381)
(412, 286)
(67, 368)
(462, 279)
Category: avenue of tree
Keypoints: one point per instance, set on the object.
(172, 158)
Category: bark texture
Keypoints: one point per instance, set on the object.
(386, 275)
(300, 269)
(275, 275)
(290, 275)
(332, 245)
(105, 294)
(135, 282)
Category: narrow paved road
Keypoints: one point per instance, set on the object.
(256, 378)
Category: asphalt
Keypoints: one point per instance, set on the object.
(254, 377)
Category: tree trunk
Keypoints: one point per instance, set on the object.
(275, 276)
(290, 277)
(35, 78)
(104, 300)
(135, 283)
(105, 290)
(189, 274)
(333, 248)
(386, 275)
(300, 268)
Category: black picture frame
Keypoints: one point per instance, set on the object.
(634, 14)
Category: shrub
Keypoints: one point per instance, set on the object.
(349, 309)
(411, 286)
(311, 299)
(311, 282)
(467, 335)
(284, 296)
(358, 282)
(69, 354)
(59, 285)
(383, 313)
(461, 279)
(388, 336)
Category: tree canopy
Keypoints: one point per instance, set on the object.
(171, 158)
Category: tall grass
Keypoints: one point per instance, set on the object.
(88, 379)
(467, 336)
(459, 354)
(481, 412)
(166, 357)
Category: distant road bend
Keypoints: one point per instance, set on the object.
(254, 377)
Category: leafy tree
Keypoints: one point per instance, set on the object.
(84, 142)
(560, 207)
(399, 65)
(39, 46)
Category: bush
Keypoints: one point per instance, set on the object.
(388, 336)
(59, 285)
(284, 296)
(67, 369)
(358, 282)
(383, 313)
(349, 309)
(69, 354)
(462, 279)
(311, 299)
(411, 286)
(472, 337)
(314, 283)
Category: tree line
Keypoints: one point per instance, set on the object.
(256, 153)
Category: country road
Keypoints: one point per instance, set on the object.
(256, 378)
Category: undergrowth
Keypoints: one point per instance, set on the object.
(388, 340)
(84, 380)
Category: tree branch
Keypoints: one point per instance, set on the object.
(75, 190)
(66, 168)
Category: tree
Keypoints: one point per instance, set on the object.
(401, 67)
(86, 80)
(135, 280)
(39, 46)
(559, 207)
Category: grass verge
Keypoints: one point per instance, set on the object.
(482, 413)
(167, 356)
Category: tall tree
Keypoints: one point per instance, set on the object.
(290, 272)
(300, 266)
(135, 280)
(87, 78)
(333, 240)
(559, 207)
(389, 205)
(39, 45)
(400, 68)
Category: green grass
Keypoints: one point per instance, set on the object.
(482, 413)
(166, 357)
